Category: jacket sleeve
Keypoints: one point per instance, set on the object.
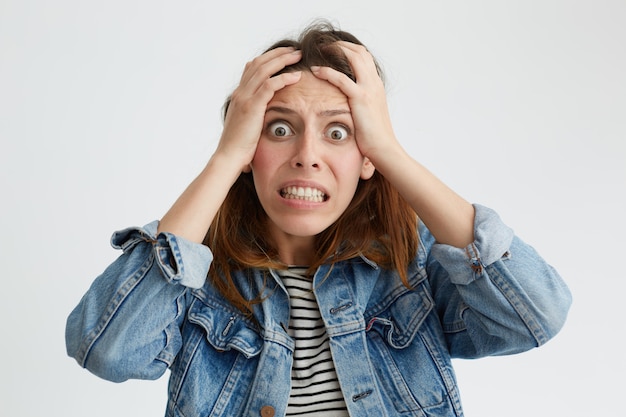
(496, 296)
(127, 324)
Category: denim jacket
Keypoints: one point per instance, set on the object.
(153, 309)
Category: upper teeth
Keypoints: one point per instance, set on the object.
(303, 193)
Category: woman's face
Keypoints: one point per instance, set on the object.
(307, 163)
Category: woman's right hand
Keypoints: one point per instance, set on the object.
(192, 214)
(243, 123)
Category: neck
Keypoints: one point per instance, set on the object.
(294, 250)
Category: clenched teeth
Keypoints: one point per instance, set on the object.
(303, 193)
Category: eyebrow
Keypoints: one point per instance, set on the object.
(324, 113)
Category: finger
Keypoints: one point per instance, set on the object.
(336, 78)
(351, 45)
(360, 59)
(252, 105)
(254, 100)
(272, 67)
(270, 63)
(268, 56)
(271, 85)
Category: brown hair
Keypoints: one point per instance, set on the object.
(378, 224)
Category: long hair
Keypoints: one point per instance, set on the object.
(378, 223)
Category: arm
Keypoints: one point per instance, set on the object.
(193, 212)
(449, 217)
(496, 296)
(127, 324)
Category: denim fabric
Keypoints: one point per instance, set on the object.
(153, 309)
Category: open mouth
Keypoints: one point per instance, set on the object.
(303, 193)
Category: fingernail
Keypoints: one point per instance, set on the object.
(297, 52)
(315, 68)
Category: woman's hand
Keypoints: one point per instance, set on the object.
(244, 119)
(367, 100)
(192, 214)
(448, 216)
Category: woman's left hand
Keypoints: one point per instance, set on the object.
(367, 99)
(448, 216)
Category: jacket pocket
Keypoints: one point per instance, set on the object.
(225, 329)
(399, 321)
(409, 355)
(212, 373)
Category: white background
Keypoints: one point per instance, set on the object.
(108, 109)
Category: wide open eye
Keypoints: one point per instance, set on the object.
(279, 129)
(337, 133)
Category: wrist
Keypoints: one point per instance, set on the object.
(387, 156)
(226, 163)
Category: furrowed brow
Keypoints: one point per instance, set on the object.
(324, 113)
(330, 113)
(279, 109)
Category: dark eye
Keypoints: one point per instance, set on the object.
(280, 129)
(337, 133)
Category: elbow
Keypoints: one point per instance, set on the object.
(114, 363)
(114, 367)
(83, 346)
(107, 366)
(555, 315)
(544, 298)
(546, 309)
(103, 363)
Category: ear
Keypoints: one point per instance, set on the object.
(367, 170)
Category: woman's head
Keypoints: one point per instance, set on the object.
(307, 165)
(374, 221)
(318, 44)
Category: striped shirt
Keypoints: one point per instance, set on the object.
(315, 389)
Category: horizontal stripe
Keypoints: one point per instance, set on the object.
(318, 384)
(315, 387)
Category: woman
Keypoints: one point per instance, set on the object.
(314, 267)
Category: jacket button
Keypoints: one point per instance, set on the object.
(267, 411)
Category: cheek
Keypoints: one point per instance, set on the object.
(349, 166)
(264, 166)
(263, 157)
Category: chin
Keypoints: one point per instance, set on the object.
(298, 228)
(304, 231)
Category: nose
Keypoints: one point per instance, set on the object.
(306, 153)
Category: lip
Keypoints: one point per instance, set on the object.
(303, 185)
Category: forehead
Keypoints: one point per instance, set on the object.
(310, 91)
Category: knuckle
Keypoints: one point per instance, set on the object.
(248, 65)
(267, 86)
(239, 102)
(235, 96)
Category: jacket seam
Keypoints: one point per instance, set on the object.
(525, 315)
(112, 308)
